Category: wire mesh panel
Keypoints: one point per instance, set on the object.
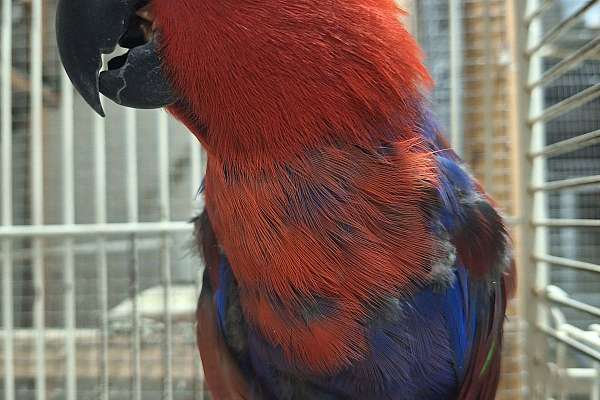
(558, 89)
(99, 279)
(479, 71)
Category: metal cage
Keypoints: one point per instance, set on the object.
(556, 122)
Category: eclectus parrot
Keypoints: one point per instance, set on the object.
(349, 253)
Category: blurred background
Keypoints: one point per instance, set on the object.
(98, 276)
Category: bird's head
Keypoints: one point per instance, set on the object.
(250, 74)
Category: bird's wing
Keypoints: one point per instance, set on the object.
(477, 231)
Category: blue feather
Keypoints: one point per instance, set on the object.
(225, 277)
(455, 186)
(418, 353)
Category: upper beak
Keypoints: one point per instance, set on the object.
(87, 29)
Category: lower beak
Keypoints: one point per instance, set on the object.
(87, 29)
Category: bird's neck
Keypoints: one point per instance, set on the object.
(264, 149)
(275, 81)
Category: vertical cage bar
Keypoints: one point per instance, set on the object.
(522, 165)
(163, 166)
(488, 98)
(69, 219)
(6, 144)
(131, 161)
(134, 290)
(134, 268)
(101, 259)
(595, 395)
(540, 244)
(558, 385)
(7, 321)
(37, 196)
(6, 116)
(165, 215)
(39, 319)
(456, 75)
(102, 277)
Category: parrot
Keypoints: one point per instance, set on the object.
(348, 251)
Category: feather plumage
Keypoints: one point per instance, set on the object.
(349, 254)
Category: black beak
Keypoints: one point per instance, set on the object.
(87, 29)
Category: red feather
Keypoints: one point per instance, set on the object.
(290, 99)
(282, 248)
(271, 77)
(306, 83)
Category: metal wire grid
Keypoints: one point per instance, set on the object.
(98, 283)
(556, 90)
(467, 54)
